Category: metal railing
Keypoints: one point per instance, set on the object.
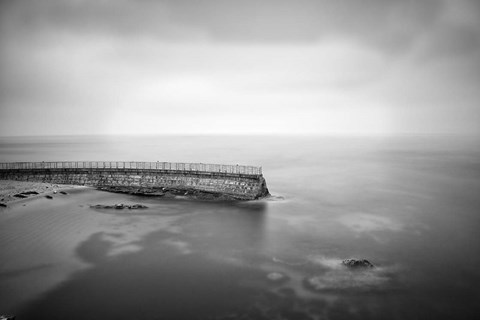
(169, 166)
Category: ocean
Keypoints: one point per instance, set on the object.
(408, 204)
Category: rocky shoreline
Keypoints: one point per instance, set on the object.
(16, 191)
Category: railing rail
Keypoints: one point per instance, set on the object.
(169, 166)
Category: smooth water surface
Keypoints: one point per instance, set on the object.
(410, 205)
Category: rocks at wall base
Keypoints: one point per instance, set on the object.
(263, 189)
(189, 193)
(119, 206)
(357, 263)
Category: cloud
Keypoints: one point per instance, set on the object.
(278, 66)
(387, 23)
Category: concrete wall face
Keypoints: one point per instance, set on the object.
(237, 186)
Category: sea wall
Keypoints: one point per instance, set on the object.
(204, 185)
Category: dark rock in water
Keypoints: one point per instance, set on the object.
(49, 197)
(20, 195)
(100, 206)
(137, 206)
(29, 192)
(119, 206)
(357, 263)
(25, 194)
(3, 204)
(63, 192)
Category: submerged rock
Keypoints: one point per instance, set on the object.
(101, 206)
(357, 263)
(3, 204)
(63, 192)
(49, 197)
(119, 206)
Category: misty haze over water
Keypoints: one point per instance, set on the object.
(408, 204)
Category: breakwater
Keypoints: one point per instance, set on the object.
(196, 180)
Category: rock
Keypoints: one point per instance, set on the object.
(357, 263)
(3, 204)
(63, 192)
(48, 197)
(20, 195)
(119, 206)
(29, 192)
(137, 206)
(7, 317)
(25, 194)
(54, 191)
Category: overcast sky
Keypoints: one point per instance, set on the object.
(239, 67)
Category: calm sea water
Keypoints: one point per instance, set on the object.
(410, 205)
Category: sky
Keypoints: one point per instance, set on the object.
(370, 67)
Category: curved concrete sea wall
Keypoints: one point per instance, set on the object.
(204, 181)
